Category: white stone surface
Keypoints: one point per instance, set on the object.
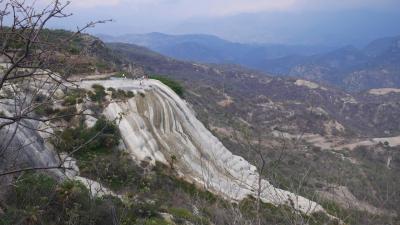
(309, 84)
(160, 126)
(72, 172)
(383, 91)
(22, 146)
(95, 188)
(90, 121)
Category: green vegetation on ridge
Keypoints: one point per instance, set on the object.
(173, 84)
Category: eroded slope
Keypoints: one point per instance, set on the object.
(157, 125)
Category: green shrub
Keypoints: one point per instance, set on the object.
(37, 185)
(130, 94)
(182, 215)
(165, 177)
(74, 50)
(121, 94)
(97, 140)
(174, 85)
(67, 113)
(156, 221)
(102, 66)
(99, 93)
(46, 110)
(115, 170)
(38, 199)
(73, 97)
(146, 209)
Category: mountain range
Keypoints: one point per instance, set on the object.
(338, 135)
(212, 49)
(355, 69)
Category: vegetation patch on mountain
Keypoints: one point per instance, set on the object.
(173, 84)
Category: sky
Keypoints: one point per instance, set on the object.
(183, 9)
(333, 22)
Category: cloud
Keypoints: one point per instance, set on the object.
(345, 4)
(189, 7)
(229, 7)
(94, 3)
(237, 19)
(178, 11)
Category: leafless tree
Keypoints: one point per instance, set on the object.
(251, 139)
(32, 72)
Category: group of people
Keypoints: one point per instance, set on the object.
(142, 78)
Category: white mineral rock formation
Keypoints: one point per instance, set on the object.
(157, 125)
(383, 91)
(95, 188)
(309, 84)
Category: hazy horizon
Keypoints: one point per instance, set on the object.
(255, 43)
(295, 22)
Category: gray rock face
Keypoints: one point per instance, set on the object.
(157, 125)
(22, 147)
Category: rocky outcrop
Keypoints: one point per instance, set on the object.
(22, 146)
(158, 126)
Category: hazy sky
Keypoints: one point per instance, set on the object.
(181, 9)
(286, 21)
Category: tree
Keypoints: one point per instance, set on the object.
(32, 72)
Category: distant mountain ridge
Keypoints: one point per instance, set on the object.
(354, 69)
(212, 49)
(375, 66)
(358, 112)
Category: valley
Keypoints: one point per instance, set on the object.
(297, 121)
(348, 67)
(211, 133)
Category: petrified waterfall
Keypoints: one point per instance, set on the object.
(157, 125)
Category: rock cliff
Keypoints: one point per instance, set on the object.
(158, 126)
